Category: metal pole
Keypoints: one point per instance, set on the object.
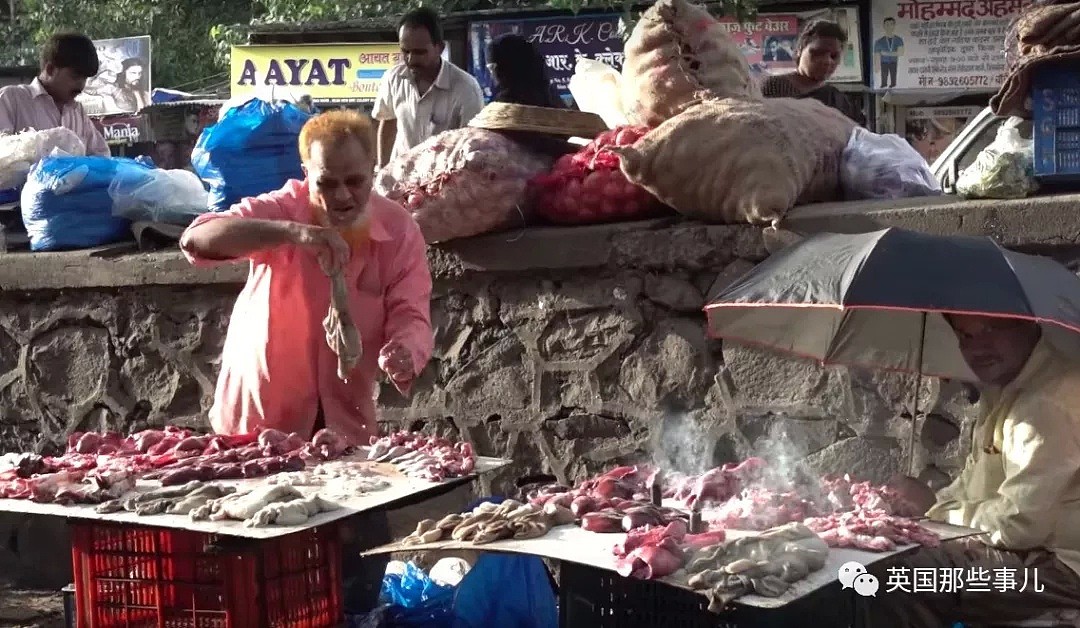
(915, 401)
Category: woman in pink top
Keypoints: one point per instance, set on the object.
(277, 370)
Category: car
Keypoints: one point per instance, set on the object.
(976, 135)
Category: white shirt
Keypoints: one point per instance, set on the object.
(31, 107)
(450, 103)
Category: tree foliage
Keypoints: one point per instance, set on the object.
(182, 49)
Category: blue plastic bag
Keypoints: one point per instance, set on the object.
(416, 600)
(508, 591)
(66, 203)
(253, 149)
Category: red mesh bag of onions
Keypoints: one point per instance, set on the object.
(588, 187)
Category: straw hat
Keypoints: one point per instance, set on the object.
(500, 116)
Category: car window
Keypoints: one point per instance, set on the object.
(984, 138)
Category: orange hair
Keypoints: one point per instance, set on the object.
(334, 126)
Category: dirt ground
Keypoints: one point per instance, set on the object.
(30, 609)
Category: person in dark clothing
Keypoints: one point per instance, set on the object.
(520, 74)
(818, 52)
(521, 79)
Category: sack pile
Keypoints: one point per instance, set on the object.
(678, 54)
(463, 182)
(742, 160)
(588, 186)
(66, 202)
(252, 150)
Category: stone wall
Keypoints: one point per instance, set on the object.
(566, 370)
(567, 350)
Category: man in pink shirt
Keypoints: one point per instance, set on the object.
(48, 102)
(277, 369)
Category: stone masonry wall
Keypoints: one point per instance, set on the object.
(567, 371)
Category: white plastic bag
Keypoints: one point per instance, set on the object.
(596, 88)
(20, 151)
(169, 196)
(1004, 169)
(884, 167)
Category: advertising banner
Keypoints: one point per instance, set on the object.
(560, 39)
(330, 74)
(770, 41)
(950, 44)
(122, 84)
(123, 129)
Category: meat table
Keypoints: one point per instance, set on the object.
(141, 570)
(590, 554)
(401, 489)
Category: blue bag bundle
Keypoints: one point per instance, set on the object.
(416, 600)
(251, 150)
(508, 591)
(66, 202)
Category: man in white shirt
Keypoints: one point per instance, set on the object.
(425, 95)
(67, 60)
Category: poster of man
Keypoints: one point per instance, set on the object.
(887, 52)
(930, 129)
(122, 85)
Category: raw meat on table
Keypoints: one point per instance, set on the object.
(871, 530)
(96, 466)
(425, 457)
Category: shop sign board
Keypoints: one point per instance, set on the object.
(770, 41)
(953, 45)
(329, 73)
(561, 40)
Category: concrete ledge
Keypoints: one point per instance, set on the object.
(663, 244)
(84, 269)
(1040, 220)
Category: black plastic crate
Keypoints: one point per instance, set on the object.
(597, 598)
(69, 605)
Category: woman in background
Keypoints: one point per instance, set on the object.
(520, 74)
(818, 53)
(521, 78)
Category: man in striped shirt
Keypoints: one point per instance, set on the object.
(67, 60)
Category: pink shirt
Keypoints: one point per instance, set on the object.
(25, 107)
(276, 366)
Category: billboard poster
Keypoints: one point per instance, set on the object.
(123, 82)
(561, 40)
(931, 129)
(956, 45)
(329, 73)
(770, 41)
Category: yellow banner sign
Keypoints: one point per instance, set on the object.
(335, 73)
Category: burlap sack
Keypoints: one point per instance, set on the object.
(733, 160)
(676, 55)
(463, 182)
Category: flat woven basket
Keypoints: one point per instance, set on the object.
(499, 116)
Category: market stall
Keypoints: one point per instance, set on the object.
(168, 523)
(747, 537)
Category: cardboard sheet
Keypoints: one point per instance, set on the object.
(573, 544)
(401, 488)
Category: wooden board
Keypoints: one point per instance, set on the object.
(573, 544)
(401, 488)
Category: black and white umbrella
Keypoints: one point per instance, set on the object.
(876, 300)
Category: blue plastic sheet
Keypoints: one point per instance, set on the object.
(252, 150)
(66, 204)
(500, 590)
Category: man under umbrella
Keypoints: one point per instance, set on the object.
(1020, 484)
(960, 308)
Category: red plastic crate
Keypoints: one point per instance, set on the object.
(130, 576)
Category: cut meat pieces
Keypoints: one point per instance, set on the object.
(872, 531)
